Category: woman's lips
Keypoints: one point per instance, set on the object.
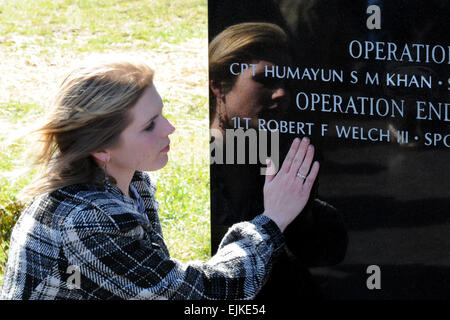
(166, 149)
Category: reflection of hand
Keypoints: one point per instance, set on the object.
(286, 193)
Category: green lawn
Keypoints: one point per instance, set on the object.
(172, 33)
(92, 25)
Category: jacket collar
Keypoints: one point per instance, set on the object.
(97, 195)
(116, 192)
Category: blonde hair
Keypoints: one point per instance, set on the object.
(242, 43)
(89, 113)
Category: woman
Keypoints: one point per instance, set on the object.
(93, 232)
(318, 236)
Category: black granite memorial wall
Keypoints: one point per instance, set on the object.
(368, 81)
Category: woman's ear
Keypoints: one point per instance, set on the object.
(102, 156)
(216, 88)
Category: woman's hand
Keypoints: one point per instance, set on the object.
(287, 192)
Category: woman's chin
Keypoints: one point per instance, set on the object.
(162, 162)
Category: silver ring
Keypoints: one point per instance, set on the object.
(300, 175)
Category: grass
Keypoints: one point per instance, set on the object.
(34, 32)
(94, 25)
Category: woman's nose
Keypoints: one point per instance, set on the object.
(169, 128)
(278, 93)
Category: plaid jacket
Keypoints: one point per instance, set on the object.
(116, 253)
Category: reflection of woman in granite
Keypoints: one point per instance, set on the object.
(317, 237)
(248, 96)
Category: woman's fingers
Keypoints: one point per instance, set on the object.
(302, 172)
(309, 181)
(270, 171)
(285, 196)
(299, 157)
(297, 162)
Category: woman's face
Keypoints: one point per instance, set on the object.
(254, 96)
(144, 143)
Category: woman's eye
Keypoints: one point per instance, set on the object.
(150, 126)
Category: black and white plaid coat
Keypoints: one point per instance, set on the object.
(119, 254)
